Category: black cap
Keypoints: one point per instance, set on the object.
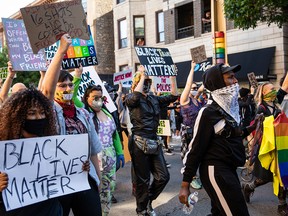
(213, 76)
(244, 92)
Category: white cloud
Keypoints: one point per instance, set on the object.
(9, 7)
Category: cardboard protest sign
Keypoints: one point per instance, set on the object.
(45, 24)
(198, 54)
(252, 80)
(164, 128)
(80, 51)
(122, 76)
(42, 168)
(157, 61)
(19, 49)
(90, 77)
(162, 83)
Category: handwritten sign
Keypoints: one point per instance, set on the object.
(162, 84)
(157, 61)
(42, 168)
(80, 51)
(46, 23)
(3, 73)
(252, 79)
(20, 52)
(164, 128)
(90, 77)
(198, 54)
(123, 76)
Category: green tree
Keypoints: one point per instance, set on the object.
(247, 13)
(29, 78)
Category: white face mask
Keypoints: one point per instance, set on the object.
(97, 104)
(193, 93)
(67, 97)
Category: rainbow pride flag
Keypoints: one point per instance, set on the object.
(281, 139)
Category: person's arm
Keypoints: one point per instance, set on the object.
(76, 81)
(95, 162)
(174, 90)
(52, 74)
(199, 91)
(42, 75)
(8, 82)
(139, 87)
(3, 181)
(184, 99)
(197, 148)
(284, 86)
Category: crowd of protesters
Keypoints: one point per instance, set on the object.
(211, 119)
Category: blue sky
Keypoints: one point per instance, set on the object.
(9, 7)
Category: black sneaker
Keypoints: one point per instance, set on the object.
(113, 199)
(282, 210)
(247, 192)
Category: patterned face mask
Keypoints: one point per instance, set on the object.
(227, 99)
(270, 96)
(64, 96)
(97, 104)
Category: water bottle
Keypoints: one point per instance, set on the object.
(192, 199)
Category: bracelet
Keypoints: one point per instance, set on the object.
(11, 77)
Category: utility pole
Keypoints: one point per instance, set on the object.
(218, 28)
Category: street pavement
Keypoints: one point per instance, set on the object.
(263, 202)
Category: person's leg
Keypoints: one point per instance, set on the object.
(108, 177)
(282, 207)
(160, 174)
(223, 187)
(87, 202)
(141, 164)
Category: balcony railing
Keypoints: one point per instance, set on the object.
(206, 27)
(185, 32)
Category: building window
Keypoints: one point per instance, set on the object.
(120, 1)
(123, 67)
(160, 26)
(206, 17)
(122, 33)
(139, 30)
(185, 21)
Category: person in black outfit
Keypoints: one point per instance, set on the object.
(216, 147)
(144, 112)
(246, 106)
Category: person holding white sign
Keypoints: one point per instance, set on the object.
(27, 114)
(112, 152)
(144, 145)
(57, 85)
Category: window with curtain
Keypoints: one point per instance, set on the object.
(160, 26)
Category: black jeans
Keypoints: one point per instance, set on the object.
(84, 202)
(144, 165)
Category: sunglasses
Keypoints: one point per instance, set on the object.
(194, 88)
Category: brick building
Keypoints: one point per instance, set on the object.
(177, 25)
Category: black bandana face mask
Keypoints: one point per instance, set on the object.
(36, 126)
(147, 85)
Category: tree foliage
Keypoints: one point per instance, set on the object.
(29, 78)
(247, 13)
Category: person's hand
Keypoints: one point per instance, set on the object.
(120, 161)
(78, 71)
(184, 194)
(252, 90)
(193, 64)
(3, 181)
(11, 72)
(86, 166)
(141, 69)
(65, 42)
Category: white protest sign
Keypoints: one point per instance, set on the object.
(90, 77)
(164, 128)
(122, 76)
(42, 168)
(162, 83)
